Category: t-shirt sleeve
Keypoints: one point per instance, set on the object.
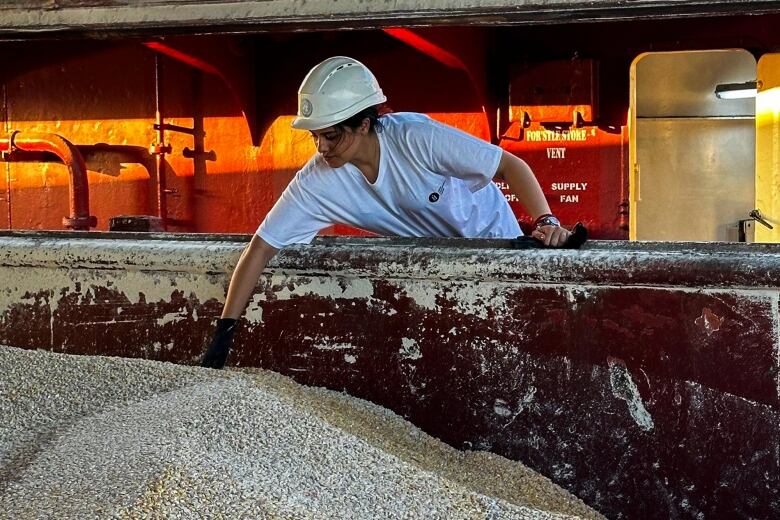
(454, 153)
(295, 218)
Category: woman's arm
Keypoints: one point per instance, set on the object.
(252, 262)
(248, 269)
(522, 182)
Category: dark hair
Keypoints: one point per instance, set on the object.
(370, 113)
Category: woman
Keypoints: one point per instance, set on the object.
(399, 174)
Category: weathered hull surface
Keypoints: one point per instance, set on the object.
(36, 18)
(641, 376)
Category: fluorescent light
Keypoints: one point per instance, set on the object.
(736, 90)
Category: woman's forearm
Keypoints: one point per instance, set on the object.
(242, 284)
(522, 182)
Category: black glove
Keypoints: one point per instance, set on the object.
(579, 234)
(218, 350)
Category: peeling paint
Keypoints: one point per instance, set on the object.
(501, 408)
(564, 472)
(326, 287)
(254, 309)
(709, 322)
(776, 340)
(481, 300)
(623, 387)
(20, 283)
(332, 346)
(172, 317)
(410, 350)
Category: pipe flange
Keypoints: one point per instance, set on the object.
(11, 145)
(160, 149)
(82, 223)
(11, 138)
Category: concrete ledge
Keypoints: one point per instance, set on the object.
(663, 264)
(149, 16)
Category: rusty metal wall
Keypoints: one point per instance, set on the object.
(641, 376)
(227, 164)
(582, 173)
(103, 100)
(577, 156)
(227, 167)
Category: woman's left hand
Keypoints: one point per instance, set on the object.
(553, 236)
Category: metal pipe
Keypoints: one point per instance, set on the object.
(79, 218)
(7, 129)
(159, 149)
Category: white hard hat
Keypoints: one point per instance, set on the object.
(335, 90)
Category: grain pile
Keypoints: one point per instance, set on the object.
(93, 437)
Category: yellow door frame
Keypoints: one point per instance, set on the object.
(768, 146)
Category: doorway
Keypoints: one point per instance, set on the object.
(692, 153)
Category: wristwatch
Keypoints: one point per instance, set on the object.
(546, 220)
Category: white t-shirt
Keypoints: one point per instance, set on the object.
(433, 181)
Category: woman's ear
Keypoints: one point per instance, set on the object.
(365, 125)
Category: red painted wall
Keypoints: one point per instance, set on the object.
(226, 173)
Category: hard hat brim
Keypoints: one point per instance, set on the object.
(318, 123)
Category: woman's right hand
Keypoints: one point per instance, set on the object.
(252, 262)
(218, 350)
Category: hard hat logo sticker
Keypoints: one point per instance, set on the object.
(306, 108)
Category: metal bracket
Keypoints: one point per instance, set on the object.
(758, 217)
(175, 128)
(160, 149)
(192, 154)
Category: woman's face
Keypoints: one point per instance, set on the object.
(337, 145)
